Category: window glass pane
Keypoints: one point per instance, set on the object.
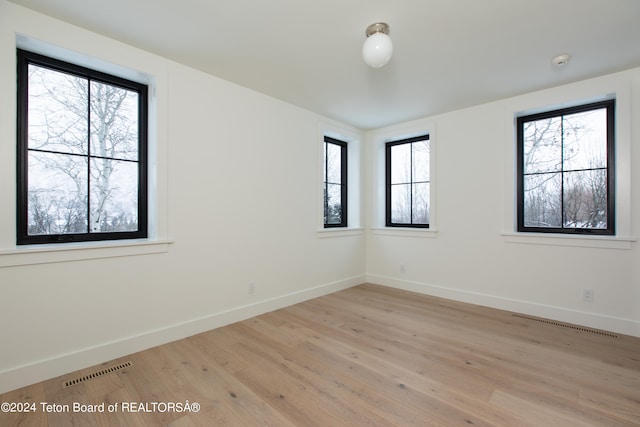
(114, 122)
(543, 145)
(585, 140)
(565, 170)
(420, 161)
(334, 204)
(400, 164)
(57, 111)
(335, 183)
(114, 195)
(81, 153)
(324, 164)
(543, 200)
(401, 203)
(421, 203)
(57, 194)
(585, 199)
(334, 164)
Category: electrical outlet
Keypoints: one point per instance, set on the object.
(402, 268)
(252, 288)
(587, 295)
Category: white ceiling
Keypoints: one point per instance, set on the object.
(448, 54)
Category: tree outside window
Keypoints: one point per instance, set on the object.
(335, 183)
(408, 182)
(82, 148)
(566, 170)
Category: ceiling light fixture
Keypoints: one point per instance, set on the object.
(377, 48)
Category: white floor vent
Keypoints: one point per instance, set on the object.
(97, 374)
(568, 325)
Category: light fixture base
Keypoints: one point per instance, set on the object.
(378, 27)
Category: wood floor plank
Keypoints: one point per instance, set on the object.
(368, 355)
(228, 398)
(31, 396)
(294, 364)
(405, 376)
(619, 406)
(348, 381)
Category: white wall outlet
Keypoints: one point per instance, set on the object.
(251, 288)
(403, 268)
(587, 295)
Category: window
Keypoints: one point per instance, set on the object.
(408, 182)
(335, 183)
(566, 170)
(82, 153)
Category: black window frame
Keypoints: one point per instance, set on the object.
(388, 185)
(343, 184)
(24, 58)
(609, 105)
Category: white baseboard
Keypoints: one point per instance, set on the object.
(21, 376)
(591, 320)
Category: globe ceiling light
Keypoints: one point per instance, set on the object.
(377, 48)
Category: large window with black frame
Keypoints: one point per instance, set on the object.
(335, 183)
(566, 170)
(408, 182)
(82, 153)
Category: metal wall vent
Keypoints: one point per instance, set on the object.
(568, 325)
(97, 374)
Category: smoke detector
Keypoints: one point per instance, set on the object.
(561, 60)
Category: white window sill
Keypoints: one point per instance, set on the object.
(338, 232)
(406, 232)
(65, 252)
(605, 242)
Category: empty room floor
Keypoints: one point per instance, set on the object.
(368, 355)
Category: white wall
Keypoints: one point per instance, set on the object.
(234, 170)
(474, 254)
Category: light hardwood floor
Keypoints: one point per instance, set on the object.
(368, 355)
